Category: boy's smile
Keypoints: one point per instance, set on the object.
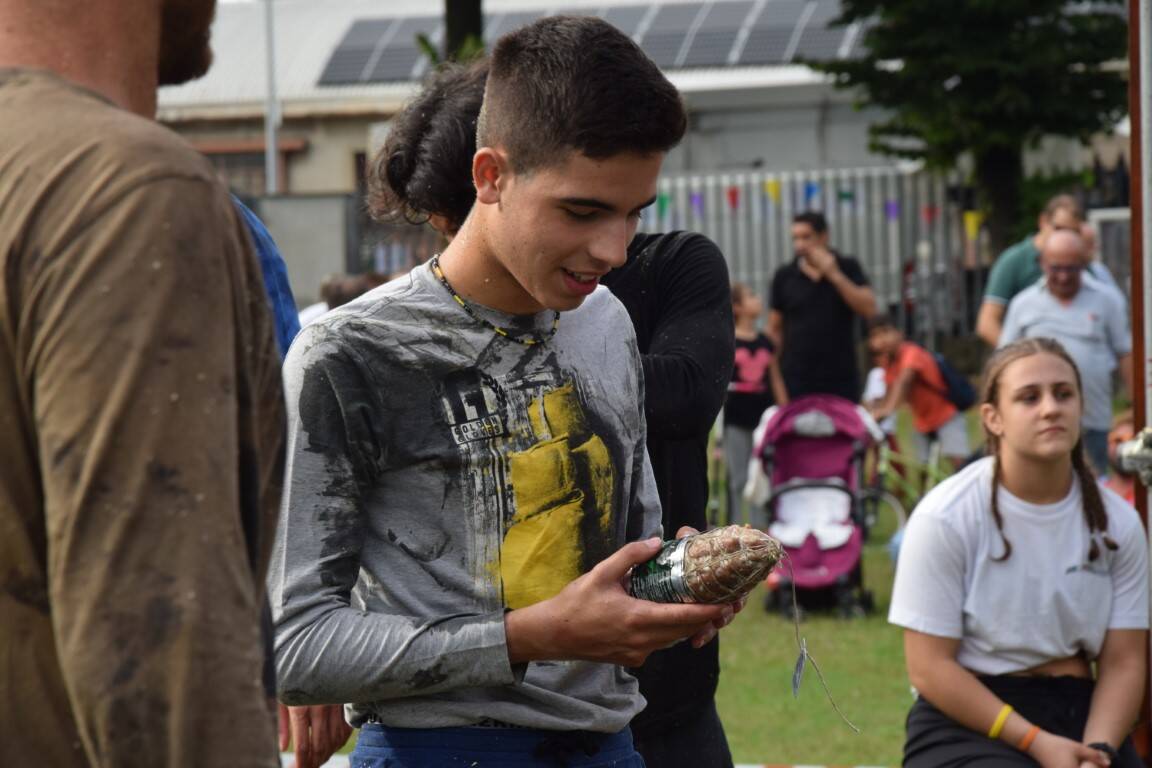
(550, 234)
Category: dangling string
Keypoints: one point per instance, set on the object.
(805, 656)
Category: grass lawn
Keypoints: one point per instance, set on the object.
(862, 661)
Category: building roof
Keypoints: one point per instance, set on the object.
(360, 56)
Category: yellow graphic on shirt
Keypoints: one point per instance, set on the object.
(563, 488)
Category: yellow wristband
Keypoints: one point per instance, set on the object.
(998, 725)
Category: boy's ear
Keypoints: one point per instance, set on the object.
(490, 172)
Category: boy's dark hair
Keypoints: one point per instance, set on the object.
(814, 219)
(576, 83)
(424, 167)
(882, 321)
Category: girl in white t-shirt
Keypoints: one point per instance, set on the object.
(1015, 576)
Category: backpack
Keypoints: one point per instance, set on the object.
(957, 388)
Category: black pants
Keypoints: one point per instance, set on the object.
(1057, 704)
(692, 740)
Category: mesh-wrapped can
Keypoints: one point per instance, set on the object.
(719, 566)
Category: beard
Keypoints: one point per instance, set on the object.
(185, 46)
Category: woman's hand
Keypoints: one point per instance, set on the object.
(1053, 751)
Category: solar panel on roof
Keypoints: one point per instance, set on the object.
(506, 22)
(410, 27)
(676, 35)
(346, 66)
(626, 18)
(772, 32)
(780, 13)
(766, 46)
(395, 64)
(667, 32)
(710, 49)
(820, 43)
(859, 49)
(716, 34)
(365, 32)
(674, 18)
(825, 11)
(663, 48)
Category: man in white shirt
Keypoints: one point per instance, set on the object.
(1088, 319)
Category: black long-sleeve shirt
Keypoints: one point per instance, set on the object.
(676, 290)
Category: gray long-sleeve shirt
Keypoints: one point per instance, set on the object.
(440, 474)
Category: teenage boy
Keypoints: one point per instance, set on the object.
(467, 444)
(912, 377)
(815, 301)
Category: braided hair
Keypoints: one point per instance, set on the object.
(1095, 514)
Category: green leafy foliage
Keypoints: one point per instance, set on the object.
(985, 77)
(961, 76)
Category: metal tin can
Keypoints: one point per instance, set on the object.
(662, 579)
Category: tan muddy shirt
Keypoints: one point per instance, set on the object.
(141, 434)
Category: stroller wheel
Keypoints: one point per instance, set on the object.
(867, 601)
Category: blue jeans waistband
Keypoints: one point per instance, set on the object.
(494, 747)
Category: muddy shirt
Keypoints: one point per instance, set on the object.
(140, 466)
(440, 474)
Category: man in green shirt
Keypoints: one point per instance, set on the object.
(1019, 266)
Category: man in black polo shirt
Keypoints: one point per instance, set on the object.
(814, 303)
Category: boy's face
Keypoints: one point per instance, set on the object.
(883, 342)
(558, 230)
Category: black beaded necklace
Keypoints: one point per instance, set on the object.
(528, 340)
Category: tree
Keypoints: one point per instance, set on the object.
(463, 29)
(463, 33)
(986, 77)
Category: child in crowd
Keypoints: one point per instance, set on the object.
(1118, 481)
(756, 385)
(912, 377)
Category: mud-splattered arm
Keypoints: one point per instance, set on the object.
(328, 651)
(147, 349)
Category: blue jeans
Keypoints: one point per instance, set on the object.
(382, 747)
(1096, 448)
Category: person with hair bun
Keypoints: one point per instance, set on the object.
(1016, 577)
(676, 291)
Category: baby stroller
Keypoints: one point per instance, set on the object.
(812, 455)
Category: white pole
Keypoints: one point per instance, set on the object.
(271, 108)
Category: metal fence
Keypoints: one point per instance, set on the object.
(918, 248)
(914, 242)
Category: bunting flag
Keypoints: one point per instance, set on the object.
(734, 197)
(772, 189)
(811, 192)
(697, 203)
(973, 220)
(929, 213)
(846, 196)
(661, 204)
(892, 210)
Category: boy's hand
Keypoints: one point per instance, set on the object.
(704, 636)
(595, 619)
